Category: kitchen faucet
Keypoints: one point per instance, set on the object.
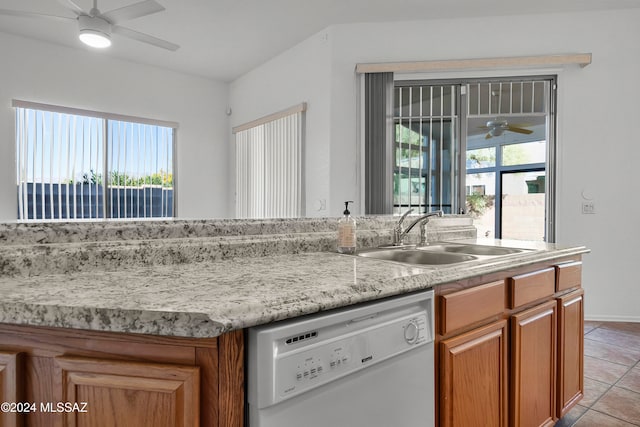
(399, 232)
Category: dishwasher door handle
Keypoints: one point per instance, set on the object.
(362, 319)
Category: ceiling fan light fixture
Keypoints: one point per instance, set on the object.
(94, 31)
(95, 39)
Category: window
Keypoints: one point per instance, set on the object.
(509, 137)
(75, 164)
(269, 165)
(483, 147)
(425, 148)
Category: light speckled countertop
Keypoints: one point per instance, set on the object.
(206, 299)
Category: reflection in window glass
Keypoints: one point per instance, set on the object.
(523, 205)
(410, 160)
(481, 158)
(524, 154)
(481, 196)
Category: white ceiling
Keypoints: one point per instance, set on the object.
(223, 39)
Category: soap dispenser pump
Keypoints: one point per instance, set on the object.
(347, 232)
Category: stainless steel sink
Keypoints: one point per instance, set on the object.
(471, 249)
(416, 256)
(438, 253)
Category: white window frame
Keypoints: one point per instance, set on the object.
(107, 211)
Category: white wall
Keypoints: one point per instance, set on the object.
(597, 112)
(301, 74)
(41, 72)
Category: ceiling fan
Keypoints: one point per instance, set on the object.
(497, 127)
(95, 28)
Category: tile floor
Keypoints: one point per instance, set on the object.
(611, 377)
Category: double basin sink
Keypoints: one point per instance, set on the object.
(438, 253)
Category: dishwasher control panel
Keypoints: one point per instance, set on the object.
(315, 364)
(288, 358)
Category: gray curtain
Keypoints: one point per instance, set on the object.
(378, 143)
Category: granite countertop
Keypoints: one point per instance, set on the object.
(206, 299)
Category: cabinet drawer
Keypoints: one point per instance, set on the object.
(530, 287)
(568, 275)
(465, 307)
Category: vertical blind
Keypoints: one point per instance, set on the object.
(378, 182)
(72, 166)
(269, 166)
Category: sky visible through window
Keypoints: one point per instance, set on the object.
(64, 148)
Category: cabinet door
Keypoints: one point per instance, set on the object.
(116, 393)
(533, 370)
(473, 378)
(10, 389)
(570, 350)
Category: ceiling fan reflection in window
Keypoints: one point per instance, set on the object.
(498, 126)
(95, 28)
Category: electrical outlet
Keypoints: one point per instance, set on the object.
(588, 207)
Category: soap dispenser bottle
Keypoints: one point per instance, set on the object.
(347, 232)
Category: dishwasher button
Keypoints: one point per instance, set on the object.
(299, 376)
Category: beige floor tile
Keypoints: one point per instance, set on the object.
(590, 325)
(596, 419)
(620, 403)
(631, 380)
(593, 390)
(629, 327)
(570, 418)
(602, 370)
(611, 353)
(623, 339)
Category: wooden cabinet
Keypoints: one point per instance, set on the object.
(510, 349)
(570, 351)
(113, 393)
(533, 366)
(10, 387)
(89, 379)
(473, 378)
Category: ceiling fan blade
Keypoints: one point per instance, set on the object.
(145, 38)
(23, 14)
(519, 130)
(133, 11)
(69, 4)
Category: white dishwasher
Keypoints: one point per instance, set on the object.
(370, 365)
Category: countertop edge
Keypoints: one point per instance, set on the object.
(196, 324)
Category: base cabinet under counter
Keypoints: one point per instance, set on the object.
(533, 366)
(570, 351)
(468, 362)
(481, 324)
(65, 378)
(10, 386)
(537, 315)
